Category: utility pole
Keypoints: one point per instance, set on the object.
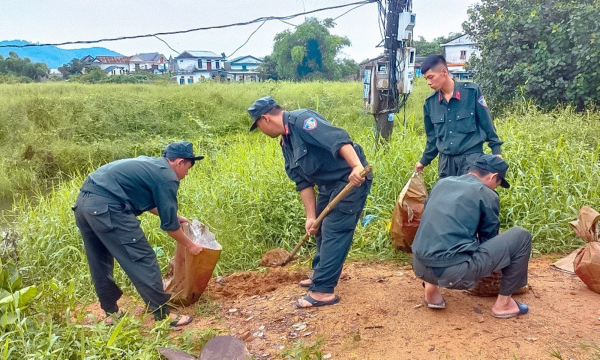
(387, 80)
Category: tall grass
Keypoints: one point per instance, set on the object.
(240, 189)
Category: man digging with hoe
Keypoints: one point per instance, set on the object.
(319, 154)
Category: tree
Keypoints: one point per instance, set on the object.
(15, 67)
(268, 68)
(309, 52)
(425, 48)
(75, 67)
(346, 68)
(545, 50)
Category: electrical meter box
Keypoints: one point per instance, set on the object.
(406, 24)
(375, 78)
(406, 69)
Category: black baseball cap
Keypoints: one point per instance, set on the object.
(494, 164)
(259, 108)
(180, 149)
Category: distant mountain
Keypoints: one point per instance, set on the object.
(52, 56)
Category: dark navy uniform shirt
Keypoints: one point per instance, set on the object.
(311, 147)
(461, 212)
(459, 126)
(144, 183)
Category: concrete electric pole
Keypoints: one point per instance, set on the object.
(387, 80)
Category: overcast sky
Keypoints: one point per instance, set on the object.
(56, 21)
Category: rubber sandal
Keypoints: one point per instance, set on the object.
(175, 322)
(317, 303)
(306, 283)
(441, 305)
(523, 309)
(113, 317)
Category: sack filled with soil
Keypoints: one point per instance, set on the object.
(188, 274)
(407, 213)
(587, 260)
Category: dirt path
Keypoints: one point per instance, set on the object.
(381, 316)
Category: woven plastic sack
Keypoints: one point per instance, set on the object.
(490, 286)
(407, 213)
(188, 274)
(587, 260)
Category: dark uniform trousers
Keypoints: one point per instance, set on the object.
(111, 231)
(456, 165)
(334, 237)
(509, 252)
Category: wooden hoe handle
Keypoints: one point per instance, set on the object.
(325, 211)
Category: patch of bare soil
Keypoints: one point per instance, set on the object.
(381, 316)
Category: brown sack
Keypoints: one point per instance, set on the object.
(187, 274)
(587, 261)
(407, 213)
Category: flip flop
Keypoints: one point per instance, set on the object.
(441, 305)
(113, 317)
(305, 283)
(523, 309)
(317, 303)
(175, 322)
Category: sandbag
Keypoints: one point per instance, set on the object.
(188, 274)
(407, 213)
(587, 260)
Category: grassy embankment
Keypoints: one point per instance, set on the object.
(57, 133)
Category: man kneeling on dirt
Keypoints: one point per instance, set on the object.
(458, 244)
(317, 153)
(106, 213)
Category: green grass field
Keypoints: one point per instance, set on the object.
(52, 135)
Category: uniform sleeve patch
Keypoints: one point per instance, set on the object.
(310, 124)
(482, 102)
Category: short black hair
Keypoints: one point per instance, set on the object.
(432, 61)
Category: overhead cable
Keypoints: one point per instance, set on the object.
(261, 19)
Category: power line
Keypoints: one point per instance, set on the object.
(248, 39)
(263, 19)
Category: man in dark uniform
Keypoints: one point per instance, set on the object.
(457, 121)
(318, 154)
(458, 241)
(106, 212)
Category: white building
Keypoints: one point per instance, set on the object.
(244, 69)
(194, 66)
(148, 62)
(459, 50)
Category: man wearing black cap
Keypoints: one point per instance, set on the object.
(106, 213)
(458, 241)
(318, 154)
(457, 121)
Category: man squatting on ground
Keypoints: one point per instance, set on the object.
(106, 213)
(458, 243)
(457, 121)
(318, 153)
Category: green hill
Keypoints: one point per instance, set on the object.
(52, 56)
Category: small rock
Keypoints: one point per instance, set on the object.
(220, 280)
(327, 356)
(417, 306)
(532, 339)
(232, 310)
(250, 318)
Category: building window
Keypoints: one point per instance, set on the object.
(199, 63)
(244, 68)
(217, 65)
(463, 54)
